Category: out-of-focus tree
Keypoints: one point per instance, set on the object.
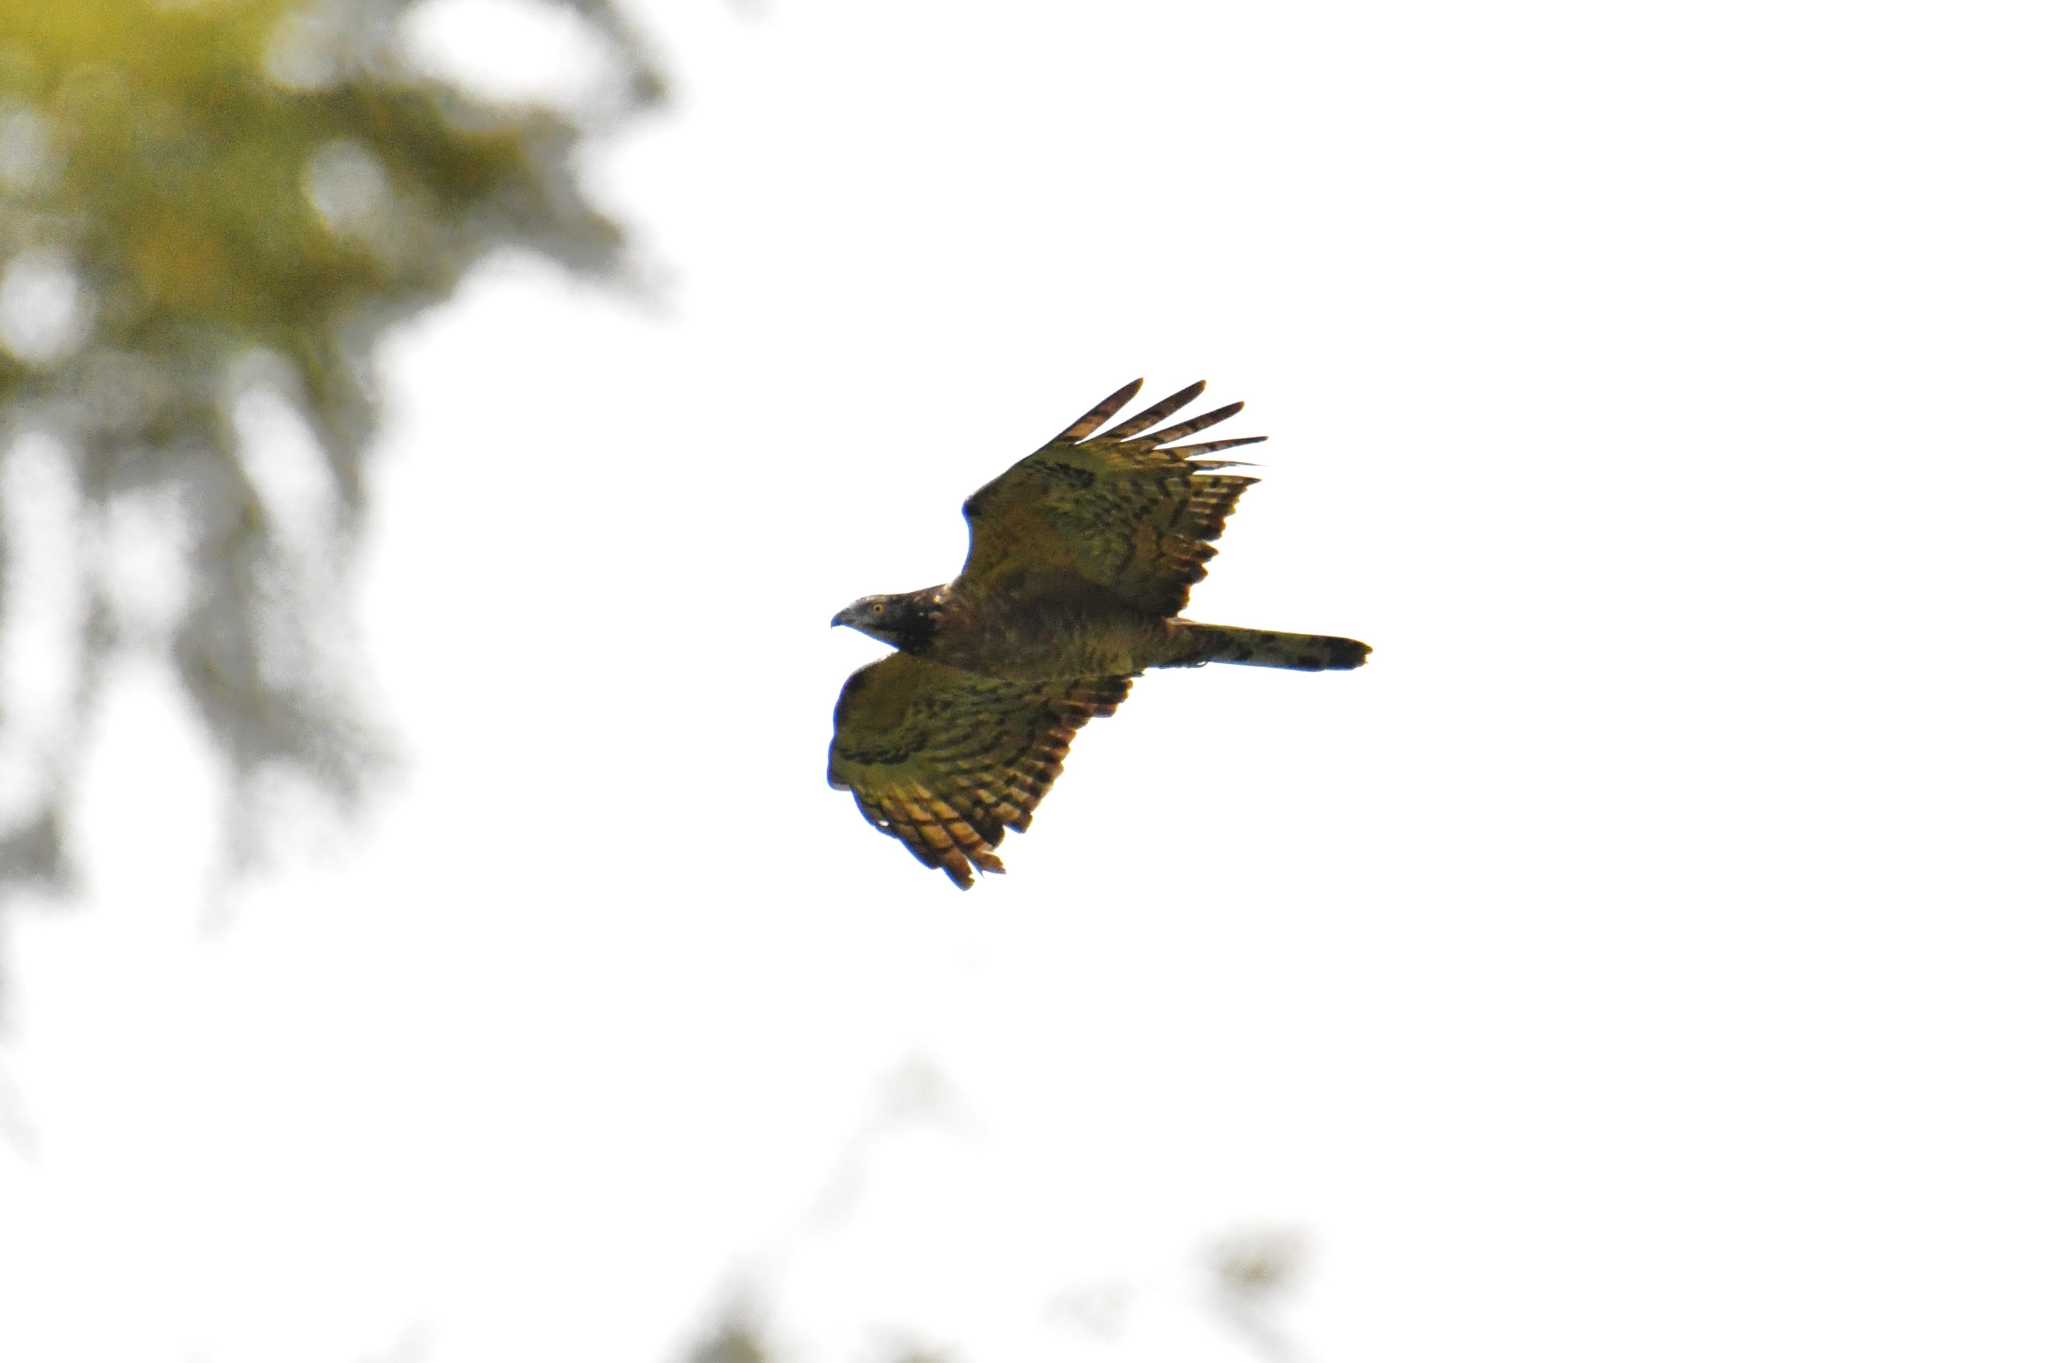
(735, 1336)
(1240, 1282)
(1249, 1275)
(200, 200)
(1253, 1270)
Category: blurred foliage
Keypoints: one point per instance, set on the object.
(1249, 1277)
(735, 1337)
(1255, 1266)
(200, 199)
(1254, 1270)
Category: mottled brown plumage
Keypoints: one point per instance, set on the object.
(1081, 561)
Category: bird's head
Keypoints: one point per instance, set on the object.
(902, 620)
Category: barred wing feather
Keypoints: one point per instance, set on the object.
(1124, 511)
(945, 760)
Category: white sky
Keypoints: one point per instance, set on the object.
(1641, 958)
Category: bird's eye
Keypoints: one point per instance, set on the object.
(875, 609)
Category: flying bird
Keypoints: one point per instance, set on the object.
(1080, 561)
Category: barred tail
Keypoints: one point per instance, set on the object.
(1191, 643)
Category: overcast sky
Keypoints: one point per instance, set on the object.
(1640, 959)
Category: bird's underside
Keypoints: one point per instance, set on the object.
(1081, 558)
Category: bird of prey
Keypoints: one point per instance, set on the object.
(1080, 561)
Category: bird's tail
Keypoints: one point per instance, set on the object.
(1191, 644)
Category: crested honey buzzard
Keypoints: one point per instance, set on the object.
(1080, 561)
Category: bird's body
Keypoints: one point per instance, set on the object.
(1063, 636)
(1046, 634)
(1082, 557)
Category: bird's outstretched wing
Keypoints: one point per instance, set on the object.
(944, 760)
(1122, 511)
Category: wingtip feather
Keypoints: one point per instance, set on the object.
(1086, 424)
(1215, 446)
(1190, 426)
(1157, 412)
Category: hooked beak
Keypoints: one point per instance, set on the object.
(844, 617)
